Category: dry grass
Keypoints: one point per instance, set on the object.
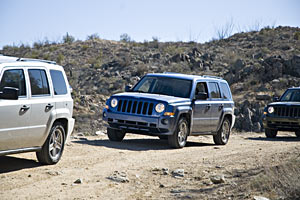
(279, 182)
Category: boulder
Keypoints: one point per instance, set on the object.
(217, 179)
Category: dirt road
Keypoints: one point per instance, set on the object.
(141, 168)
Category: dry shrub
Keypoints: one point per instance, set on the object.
(282, 180)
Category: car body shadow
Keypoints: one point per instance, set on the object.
(138, 144)
(276, 139)
(10, 164)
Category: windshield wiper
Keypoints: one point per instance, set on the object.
(140, 91)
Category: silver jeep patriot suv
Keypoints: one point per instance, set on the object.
(35, 108)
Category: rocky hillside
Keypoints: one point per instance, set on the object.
(257, 65)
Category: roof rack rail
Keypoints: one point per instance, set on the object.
(171, 73)
(35, 60)
(208, 76)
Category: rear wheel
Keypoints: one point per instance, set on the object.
(115, 135)
(270, 133)
(179, 137)
(223, 134)
(297, 134)
(53, 147)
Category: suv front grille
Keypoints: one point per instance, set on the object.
(135, 107)
(287, 111)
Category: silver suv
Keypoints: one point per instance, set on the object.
(35, 108)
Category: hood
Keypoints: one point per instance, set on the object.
(148, 96)
(285, 103)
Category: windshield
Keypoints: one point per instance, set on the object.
(165, 86)
(291, 95)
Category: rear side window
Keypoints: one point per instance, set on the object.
(214, 90)
(59, 83)
(14, 78)
(225, 91)
(38, 81)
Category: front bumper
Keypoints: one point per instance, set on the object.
(139, 124)
(281, 124)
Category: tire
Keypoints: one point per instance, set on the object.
(163, 137)
(223, 133)
(53, 147)
(179, 137)
(115, 135)
(270, 133)
(297, 134)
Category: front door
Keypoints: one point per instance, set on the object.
(14, 114)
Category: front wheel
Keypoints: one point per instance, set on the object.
(53, 147)
(270, 133)
(115, 135)
(163, 137)
(179, 137)
(223, 133)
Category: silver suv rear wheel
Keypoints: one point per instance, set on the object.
(53, 148)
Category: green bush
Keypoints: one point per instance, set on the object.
(297, 36)
(60, 58)
(68, 39)
(125, 38)
(94, 36)
(96, 62)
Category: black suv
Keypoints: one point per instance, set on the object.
(283, 114)
(172, 106)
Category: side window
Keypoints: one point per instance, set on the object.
(225, 91)
(201, 87)
(14, 78)
(38, 81)
(214, 90)
(58, 81)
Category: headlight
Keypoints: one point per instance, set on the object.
(270, 109)
(160, 107)
(114, 102)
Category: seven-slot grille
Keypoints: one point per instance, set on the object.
(135, 107)
(287, 111)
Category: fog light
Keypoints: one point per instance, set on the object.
(165, 121)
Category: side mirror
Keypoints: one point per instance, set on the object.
(275, 99)
(9, 93)
(127, 88)
(201, 96)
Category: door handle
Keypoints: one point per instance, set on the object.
(49, 106)
(24, 108)
(221, 106)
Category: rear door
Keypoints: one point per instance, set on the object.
(216, 104)
(14, 114)
(42, 104)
